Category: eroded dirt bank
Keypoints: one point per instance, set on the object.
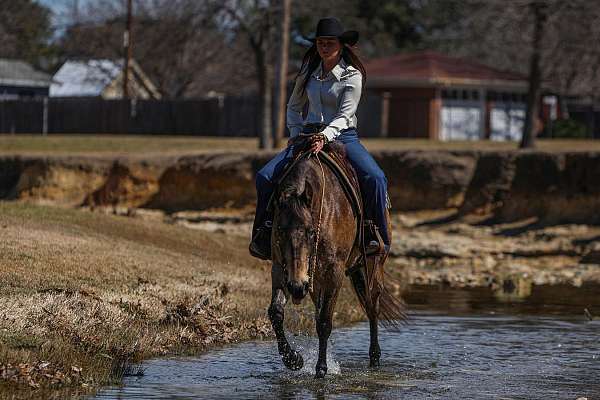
(551, 186)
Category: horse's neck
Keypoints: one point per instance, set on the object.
(336, 205)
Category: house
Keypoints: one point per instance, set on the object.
(19, 80)
(431, 95)
(101, 78)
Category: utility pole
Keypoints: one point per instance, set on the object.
(127, 47)
(284, 44)
(75, 12)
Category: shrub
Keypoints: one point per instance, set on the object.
(569, 128)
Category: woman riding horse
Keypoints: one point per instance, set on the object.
(330, 80)
(311, 219)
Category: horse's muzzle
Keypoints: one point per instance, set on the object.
(298, 291)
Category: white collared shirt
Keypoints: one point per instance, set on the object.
(332, 100)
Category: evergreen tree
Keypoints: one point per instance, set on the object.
(25, 31)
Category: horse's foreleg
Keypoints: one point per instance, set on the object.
(291, 358)
(374, 349)
(324, 322)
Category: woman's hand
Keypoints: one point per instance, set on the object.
(317, 142)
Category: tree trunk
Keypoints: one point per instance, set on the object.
(282, 70)
(265, 90)
(535, 78)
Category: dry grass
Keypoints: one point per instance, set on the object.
(174, 145)
(85, 294)
(558, 145)
(120, 144)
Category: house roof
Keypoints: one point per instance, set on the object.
(84, 78)
(433, 68)
(20, 73)
(91, 77)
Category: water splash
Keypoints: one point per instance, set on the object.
(309, 348)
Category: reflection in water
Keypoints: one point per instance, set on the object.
(516, 295)
(514, 288)
(445, 357)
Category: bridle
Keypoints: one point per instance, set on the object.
(312, 264)
(313, 258)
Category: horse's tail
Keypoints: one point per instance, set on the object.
(379, 301)
(392, 310)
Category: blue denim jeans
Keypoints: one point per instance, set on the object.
(372, 180)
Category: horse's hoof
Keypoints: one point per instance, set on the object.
(321, 372)
(374, 363)
(293, 360)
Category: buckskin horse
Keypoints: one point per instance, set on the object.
(315, 243)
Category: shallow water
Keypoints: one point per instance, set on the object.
(496, 350)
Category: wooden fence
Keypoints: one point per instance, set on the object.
(229, 116)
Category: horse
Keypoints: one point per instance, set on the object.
(313, 246)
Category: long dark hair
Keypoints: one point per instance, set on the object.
(312, 59)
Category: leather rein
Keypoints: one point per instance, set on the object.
(313, 263)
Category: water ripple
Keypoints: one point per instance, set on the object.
(473, 357)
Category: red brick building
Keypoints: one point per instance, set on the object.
(431, 95)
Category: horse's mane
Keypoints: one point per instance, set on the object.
(300, 165)
(336, 148)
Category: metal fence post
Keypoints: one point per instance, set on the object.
(45, 117)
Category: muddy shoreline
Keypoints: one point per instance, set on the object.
(551, 186)
(438, 248)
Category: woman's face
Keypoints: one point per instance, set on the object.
(329, 48)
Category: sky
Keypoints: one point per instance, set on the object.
(58, 8)
(62, 9)
(61, 12)
(56, 5)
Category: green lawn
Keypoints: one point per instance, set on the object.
(137, 145)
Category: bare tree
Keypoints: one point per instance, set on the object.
(177, 42)
(552, 42)
(538, 10)
(282, 70)
(256, 20)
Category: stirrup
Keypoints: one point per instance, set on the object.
(372, 240)
(374, 247)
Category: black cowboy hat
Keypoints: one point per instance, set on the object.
(332, 27)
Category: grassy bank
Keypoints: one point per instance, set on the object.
(137, 145)
(120, 144)
(83, 295)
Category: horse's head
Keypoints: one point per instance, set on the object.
(294, 230)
